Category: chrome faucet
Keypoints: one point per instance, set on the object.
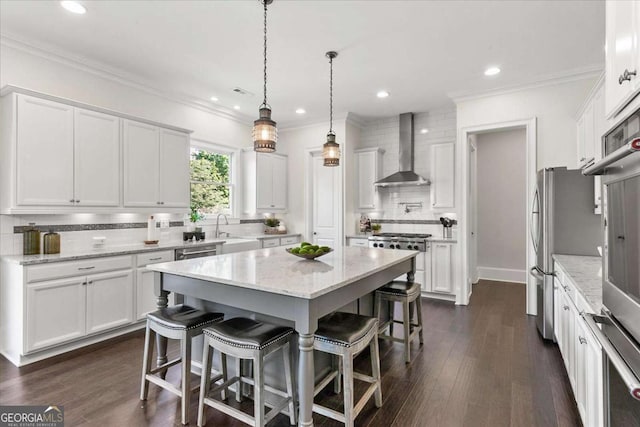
(218, 223)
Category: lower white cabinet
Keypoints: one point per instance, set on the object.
(442, 268)
(146, 299)
(580, 351)
(62, 310)
(362, 242)
(272, 242)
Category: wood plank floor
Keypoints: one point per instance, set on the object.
(481, 365)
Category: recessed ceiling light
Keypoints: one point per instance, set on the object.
(214, 98)
(236, 107)
(300, 111)
(491, 71)
(425, 130)
(382, 94)
(74, 7)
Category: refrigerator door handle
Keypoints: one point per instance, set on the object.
(535, 272)
(535, 210)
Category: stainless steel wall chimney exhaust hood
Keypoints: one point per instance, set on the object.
(405, 176)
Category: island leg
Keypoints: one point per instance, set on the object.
(162, 302)
(305, 379)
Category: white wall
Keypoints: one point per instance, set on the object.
(501, 204)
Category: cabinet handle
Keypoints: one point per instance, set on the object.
(86, 268)
(90, 282)
(162, 203)
(582, 340)
(77, 201)
(565, 308)
(155, 259)
(84, 283)
(71, 201)
(626, 76)
(157, 203)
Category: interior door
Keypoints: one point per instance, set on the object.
(326, 204)
(473, 213)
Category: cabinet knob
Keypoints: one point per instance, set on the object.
(583, 159)
(77, 201)
(71, 201)
(626, 76)
(582, 340)
(565, 308)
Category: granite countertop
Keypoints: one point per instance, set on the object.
(275, 271)
(357, 236)
(442, 240)
(267, 236)
(114, 251)
(584, 272)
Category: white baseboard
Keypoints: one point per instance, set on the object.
(502, 274)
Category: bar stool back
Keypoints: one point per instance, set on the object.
(179, 322)
(245, 338)
(406, 293)
(345, 335)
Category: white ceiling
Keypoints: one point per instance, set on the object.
(420, 51)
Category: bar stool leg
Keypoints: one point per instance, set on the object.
(185, 354)
(146, 361)
(377, 301)
(407, 330)
(288, 375)
(391, 306)
(347, 363)
(375, 369)
(258, 392)
(418, 303)
(223, 362)
(239, 374)
(205, 380)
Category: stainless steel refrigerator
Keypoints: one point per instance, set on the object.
(562, 222)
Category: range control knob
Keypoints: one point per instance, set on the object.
(381, 245)
(375, 245)
(392, 247)
(415, 247)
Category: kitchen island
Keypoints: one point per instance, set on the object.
(275, 283)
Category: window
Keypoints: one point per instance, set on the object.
(211, 184)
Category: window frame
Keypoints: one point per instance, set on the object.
(234, 155)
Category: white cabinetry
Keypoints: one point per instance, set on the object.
(442, 175)
(442, 268)
(622, 54)
(265, 182)
(109, 300)
(362, 242)
(146, 299)
(272, 242)
(580, 351)
(369, 170)
(156, 166)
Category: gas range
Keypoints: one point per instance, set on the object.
(412, 241)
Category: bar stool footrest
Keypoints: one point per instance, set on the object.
(165, 366)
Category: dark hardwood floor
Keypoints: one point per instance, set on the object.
(481, 365)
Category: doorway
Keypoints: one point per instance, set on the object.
(470, 247)
(324, 203)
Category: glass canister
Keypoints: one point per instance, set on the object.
(31, 240)
(51, 243)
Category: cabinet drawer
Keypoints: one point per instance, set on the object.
(155, 257)
(58, 270)
(363, 243)
(270, 243)
(289, 240)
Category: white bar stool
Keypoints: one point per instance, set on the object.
(405, 293)
(179, 322)
(245, 338)
(345, 335)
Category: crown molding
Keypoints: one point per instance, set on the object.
(288, 126)
(113, 74)
(589, 72)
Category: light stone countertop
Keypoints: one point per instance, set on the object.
(267, 236)
(584, 272)
(114, 251)
(276, 271)
(442, 240)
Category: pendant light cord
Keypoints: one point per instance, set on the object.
(265, 54)
(330, 94)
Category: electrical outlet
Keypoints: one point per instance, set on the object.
(164, 223)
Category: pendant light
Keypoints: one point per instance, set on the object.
(265, 133)
(330, 149)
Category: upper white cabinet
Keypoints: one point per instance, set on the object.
(442, 175)
(265, 182)
(96, 159)
(622, 54)
(156, 166)
(61, 156)
(369, 170)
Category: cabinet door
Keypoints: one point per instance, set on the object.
(109, 300)
(279, 187)
(97, 159)
(442, 175)
(426, 285)
(441, 268)
(581, 374)
(594, 398)
(174, 169)
(55, 312)
(589, 134)
(367, 176)
(270, 243)
(557, 303)
(621, 53)
(146, 300)
(580, 136)
(264, 181)
(44, 153)
(363, 243)
(141, 164)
